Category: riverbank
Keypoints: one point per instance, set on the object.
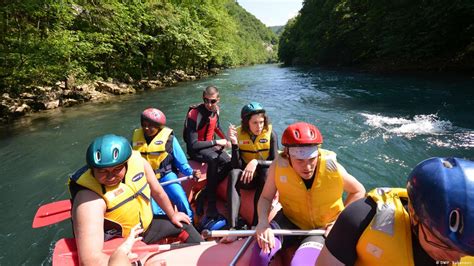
(67, 93)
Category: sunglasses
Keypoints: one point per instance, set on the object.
(211, 101)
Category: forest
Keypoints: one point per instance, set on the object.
(46, 41)
(382, 35)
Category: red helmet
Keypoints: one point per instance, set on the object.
(301, 134)
(155, 116)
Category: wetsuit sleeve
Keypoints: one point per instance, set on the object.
(273, 153)
(349, 226)
(235, 159)
(193, 136)
(219, 131)
(180, 161)
(273, 146)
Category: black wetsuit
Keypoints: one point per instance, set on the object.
(207, 151)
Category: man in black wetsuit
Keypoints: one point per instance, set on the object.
(201, 126)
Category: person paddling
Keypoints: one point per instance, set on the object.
(158, 145)
(310, 183)
(431, 222)
(111, 194)
(254, 146)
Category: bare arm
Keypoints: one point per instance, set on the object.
(266, 198)
(263, 234)
(160, 196)
(326, 258)
(355, 190)
(88, 222)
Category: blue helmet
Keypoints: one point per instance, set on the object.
(441, 191)
(107, 151)
(251, 108)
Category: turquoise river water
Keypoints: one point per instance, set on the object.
(380, 127)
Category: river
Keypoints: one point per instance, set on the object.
(380, 127)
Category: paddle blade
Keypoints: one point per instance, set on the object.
(52, 213)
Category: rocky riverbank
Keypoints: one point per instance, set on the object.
(65, 94)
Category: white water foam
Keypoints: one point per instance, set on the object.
(440, 133)
(419, 125)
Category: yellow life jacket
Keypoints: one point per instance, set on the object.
(387, 239)
(314, 207)
(467, 260)
(155, 153)
(258, 149)
(128, 203)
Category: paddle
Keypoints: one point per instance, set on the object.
(285, 232)
(184, 178)
(65, 250)
(52, 213)
(59, 211)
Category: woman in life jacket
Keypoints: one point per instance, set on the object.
(254, 147)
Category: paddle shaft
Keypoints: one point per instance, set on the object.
(284, 232)
(184, 178)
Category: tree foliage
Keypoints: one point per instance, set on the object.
(351, 32)
(44, 41)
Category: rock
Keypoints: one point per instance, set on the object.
(113, 88)
(214, 70)
(20, 110)
(68, 93)
(27, 95)
(151, 84)
(179, 75)
(69, 102)
(168, 80)
(85, 87)
(51, 104)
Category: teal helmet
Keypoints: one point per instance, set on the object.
(108, 151)
(250, 109)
